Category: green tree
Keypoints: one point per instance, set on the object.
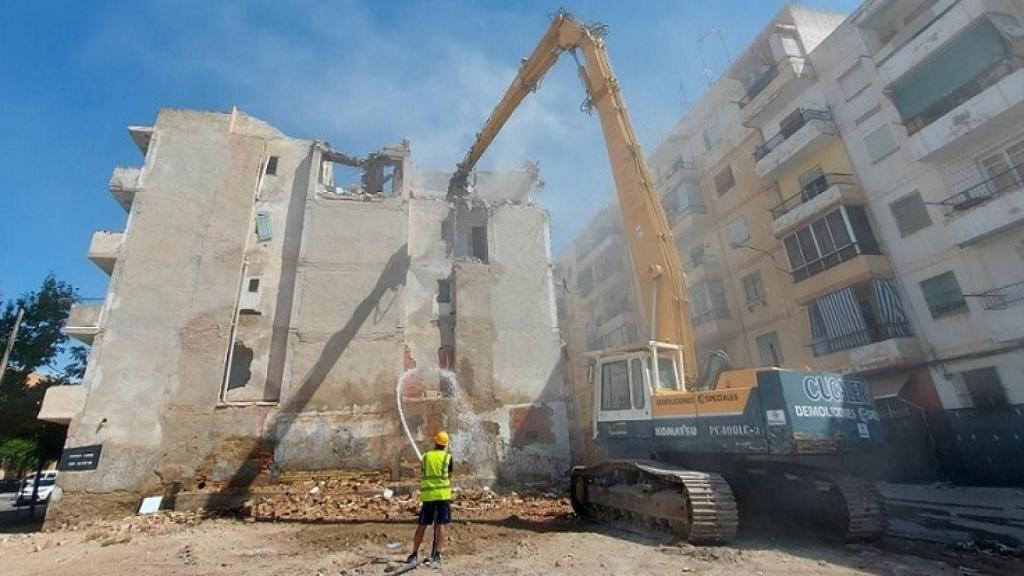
(32, 368)
(18, 454)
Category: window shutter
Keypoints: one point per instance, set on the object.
(263, 229)
(910, 214)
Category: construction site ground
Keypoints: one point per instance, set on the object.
(361, 527)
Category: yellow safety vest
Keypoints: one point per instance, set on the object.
(435, 484)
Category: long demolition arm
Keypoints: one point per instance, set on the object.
(657, 271)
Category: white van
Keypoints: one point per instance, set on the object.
(46, 484)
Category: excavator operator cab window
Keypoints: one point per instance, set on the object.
(636, 375)
(614, 386)
(668, 377)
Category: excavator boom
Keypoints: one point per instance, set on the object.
(657, 271)
(766, 439)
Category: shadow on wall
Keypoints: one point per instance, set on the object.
(391, 278)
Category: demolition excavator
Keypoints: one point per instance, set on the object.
(690, 451)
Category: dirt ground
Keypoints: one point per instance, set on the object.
(545, 543)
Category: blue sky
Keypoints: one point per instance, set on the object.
(74, 75)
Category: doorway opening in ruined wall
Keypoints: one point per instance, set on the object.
(378, 175)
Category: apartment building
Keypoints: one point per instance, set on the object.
(929, 99)
(717, 205)
(851, 316)
(266, 295)
(596, 310)
(847, 197)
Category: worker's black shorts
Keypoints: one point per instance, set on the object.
(436, 512)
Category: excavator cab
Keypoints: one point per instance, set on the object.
(625, 381)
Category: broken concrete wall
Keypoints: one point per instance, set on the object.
(257, 322)
(508, 348)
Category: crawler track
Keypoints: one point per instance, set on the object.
(865, 508)
(650, 496)
(806, 500)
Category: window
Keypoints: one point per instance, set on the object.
(839, 236)
(667, 379)
(697, 255)
(770, 349)
(862, 231)
(707, 301)
(1005, 168)
(585, 281)
(753, 289)
(444, 292)
(910, 214)
(853, 80)
(724, 181)
(263, 228)
(810, 176)
(880, 144)
(272, 165)
(614, 386)
(981, 388)
(479, 243)
(736, 231)
(254, 284)
(943, 295)
(712, 135)
(637, 376)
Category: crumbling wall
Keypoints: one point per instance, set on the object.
(258, 321)
(153, 390)
(508, 349)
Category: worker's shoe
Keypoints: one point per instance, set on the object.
(413, 558)
(435, 559)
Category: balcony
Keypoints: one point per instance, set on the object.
(709, 267)
(1005, 311)
(848, 265)
(880, 347)
(964, 117)
(125, 182)
(62, 403)
(713, 325)
(1003, 298)
(681, 168)
(814, 199)
(84, 320)
(142, 136)
(775, 90)
(104, 248)
(986, 209)
(929, 31)
(689, 219)
(807, 133)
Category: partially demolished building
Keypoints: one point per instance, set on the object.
(268, 292)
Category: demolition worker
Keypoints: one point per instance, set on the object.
(436, 495)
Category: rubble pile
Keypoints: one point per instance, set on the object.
(369, 498)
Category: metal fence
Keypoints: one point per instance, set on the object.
(1006, 181)
(1003, 297)
(810, 190)
(869, 335)
(792, 127)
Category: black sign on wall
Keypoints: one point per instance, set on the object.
(80, 458)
